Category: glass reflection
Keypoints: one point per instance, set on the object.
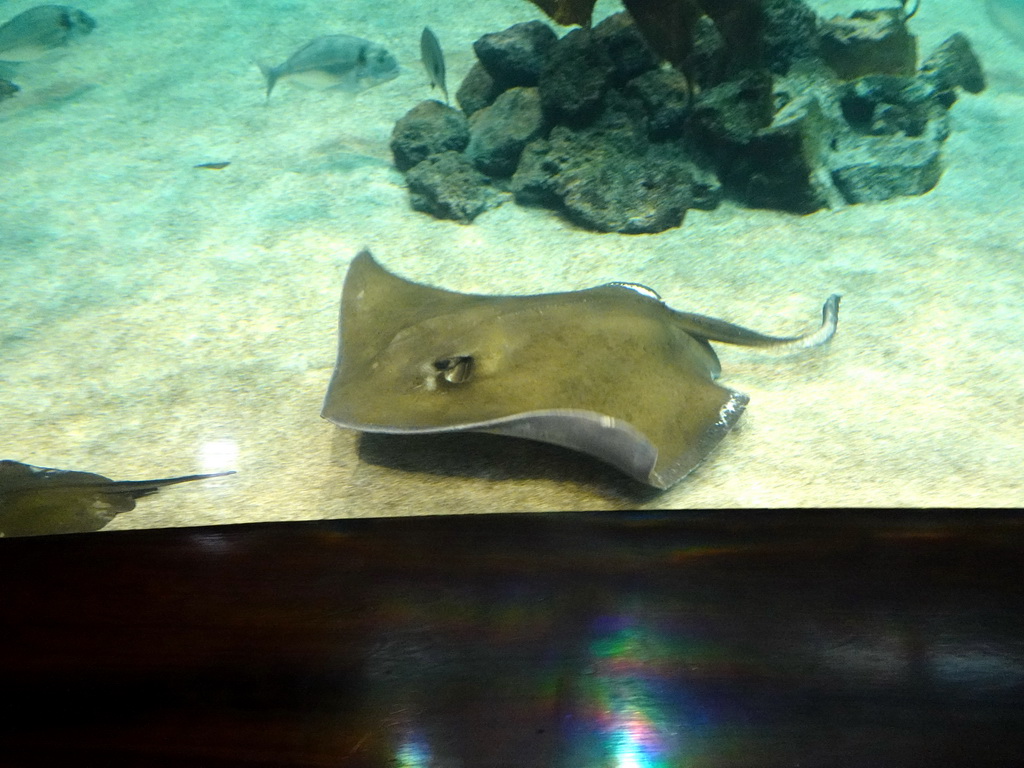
(634, 713)
(218, 455)
(413, 751)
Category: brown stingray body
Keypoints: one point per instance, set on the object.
(40, 500)
(610, 371)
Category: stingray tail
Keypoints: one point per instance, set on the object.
(713, 329)
(138, 488)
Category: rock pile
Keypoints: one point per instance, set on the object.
(592, 125)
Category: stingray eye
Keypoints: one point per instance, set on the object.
(454, 370)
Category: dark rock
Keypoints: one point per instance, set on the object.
(664, 95)
(705, 189)
(600, 182)
(478, 89)
(637, 195)
(426, 129)
(741, 23)
(790, 34)
(954, 65)
(620, 125)
(447, 186)
(534, 182)
(880, 168)
(574, 79)
(732, 112)
(499, 132)
(7, 89)
(894, 129)
(625, 46)
(547, 166)
(708, 61)
(780, 166)
(513, 56)
(869, 43)
(882, 105)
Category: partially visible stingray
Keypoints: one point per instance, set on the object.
(610, 371)
(40, 500)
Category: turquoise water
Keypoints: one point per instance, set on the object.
(1008, 15)
(160, 319)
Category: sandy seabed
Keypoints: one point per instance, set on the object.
(160, 319)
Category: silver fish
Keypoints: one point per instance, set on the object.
(335, 61)
(37, 31)
(433, 60)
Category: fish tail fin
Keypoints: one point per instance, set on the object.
(270, 73)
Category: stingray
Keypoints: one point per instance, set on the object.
(40, 500)
(610, 371)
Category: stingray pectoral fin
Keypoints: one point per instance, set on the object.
(611, 440)
(713, 329)
(671, 468)
(63, 509)
(622, 445)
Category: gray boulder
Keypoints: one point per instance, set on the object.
(478, 89)
(625, 47)
(447, 186)
(879, 168)
(954, 64)
(513, 57)
(499, 132)
(869, 43)
(611, 180)
(426, 129)
(574, 79)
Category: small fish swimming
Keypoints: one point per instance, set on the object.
(39, 30)
(40, 500)
(433, 60)
(335, 61)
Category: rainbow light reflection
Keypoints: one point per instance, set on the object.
(636, 715)
(413, 751)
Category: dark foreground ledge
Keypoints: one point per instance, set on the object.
(562, 640)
